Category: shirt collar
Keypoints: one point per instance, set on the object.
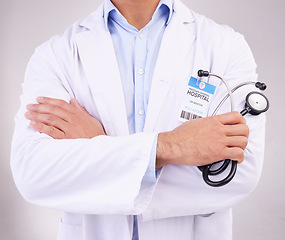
(109, 7)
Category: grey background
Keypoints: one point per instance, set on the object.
(27, 23)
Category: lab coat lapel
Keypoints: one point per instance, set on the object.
(97, 55)
(176, 44)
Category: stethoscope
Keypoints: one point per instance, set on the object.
(255, 103)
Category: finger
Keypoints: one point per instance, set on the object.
(47, 119)
(237, 141)
(49, 130)
(234, 153)
(75, 104)
(237, 130)
(49, 109)
(231, 118)
(56, 102)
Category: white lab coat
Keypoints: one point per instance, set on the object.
(97, 183)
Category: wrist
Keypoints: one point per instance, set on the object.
(166, 149)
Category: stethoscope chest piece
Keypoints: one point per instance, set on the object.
(255, 103)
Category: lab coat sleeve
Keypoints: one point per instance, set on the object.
(102, 175)
(150, 174)
(181, 190)
(241, 67)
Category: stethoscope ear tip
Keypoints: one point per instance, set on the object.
(261, 86)
(202, 73)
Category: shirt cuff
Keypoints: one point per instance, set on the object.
(150, 174)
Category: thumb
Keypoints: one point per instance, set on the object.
(75, 104)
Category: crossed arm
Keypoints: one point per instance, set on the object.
(194, 143)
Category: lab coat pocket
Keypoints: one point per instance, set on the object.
(69, 230)
(215, 226)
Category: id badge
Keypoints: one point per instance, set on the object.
(197, 100)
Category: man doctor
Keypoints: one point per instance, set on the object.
(98, 134)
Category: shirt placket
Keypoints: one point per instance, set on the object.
(139, 78)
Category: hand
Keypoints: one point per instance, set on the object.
(203, 141)
(62, 120)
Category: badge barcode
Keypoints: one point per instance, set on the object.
(188, 115)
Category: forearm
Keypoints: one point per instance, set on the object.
(204, 141)
(164, 149)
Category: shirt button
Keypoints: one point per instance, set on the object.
(141, 112)
(141, 35)
(141, 71)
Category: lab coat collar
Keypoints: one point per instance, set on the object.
(91, 22)
(182, 12)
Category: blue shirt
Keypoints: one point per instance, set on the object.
(136, 53)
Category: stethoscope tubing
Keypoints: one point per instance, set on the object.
(207, 172)
(227, 96)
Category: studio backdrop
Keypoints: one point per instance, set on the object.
(25, 24)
